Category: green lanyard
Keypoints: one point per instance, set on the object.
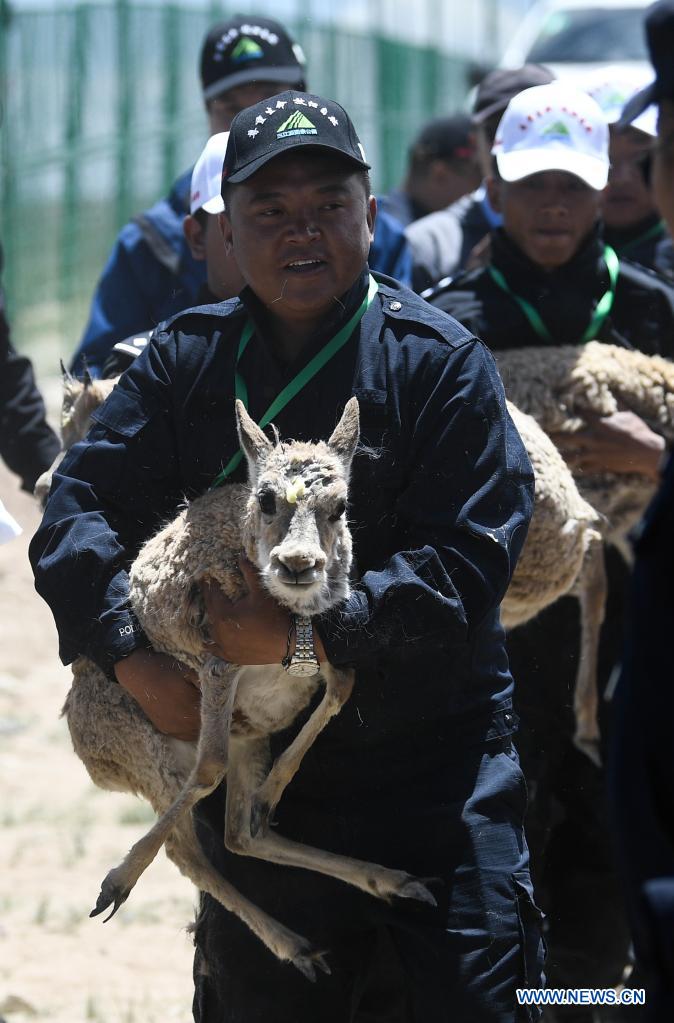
(603, 308)
(655, 231)
(298, 382)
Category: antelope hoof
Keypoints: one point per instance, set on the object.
(590, 747)
(416, 888)
(260, 813)
(111, 894)
(308, 962)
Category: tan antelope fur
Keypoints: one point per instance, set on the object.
(561, 385)
(80, 399)
(290, 522)
(563, 554)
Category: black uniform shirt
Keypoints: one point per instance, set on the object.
(642, 315)
(438, 517)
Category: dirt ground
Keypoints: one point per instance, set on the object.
(59, 836)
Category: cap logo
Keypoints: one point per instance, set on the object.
(246, 49)
(557, 130)
(226, 40)
(297, 124)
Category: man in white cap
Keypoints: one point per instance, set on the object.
(633, 225)
(201, 226)
(203, 237)
(553, 280)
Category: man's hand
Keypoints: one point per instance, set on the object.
(167, 691)
(254, 630)
(620, 443)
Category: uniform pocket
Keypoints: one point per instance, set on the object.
(532, 944)
(123, 413)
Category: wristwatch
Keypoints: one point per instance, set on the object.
(304, 660)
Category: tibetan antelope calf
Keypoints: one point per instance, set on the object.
(290, 523)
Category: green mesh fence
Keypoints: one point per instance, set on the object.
(101, 110)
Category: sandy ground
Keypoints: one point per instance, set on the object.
(59, 836)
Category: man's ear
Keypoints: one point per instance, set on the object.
(195, 236)
(225, 225)
(494, 186)
(371, 216)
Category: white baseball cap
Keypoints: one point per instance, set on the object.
(613, 87)
(207, 176)
(553, 127)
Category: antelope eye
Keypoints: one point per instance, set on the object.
(338, 512)
(267, 501)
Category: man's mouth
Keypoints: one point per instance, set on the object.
(303, 266)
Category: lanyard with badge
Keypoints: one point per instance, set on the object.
(603, 308)
(300, 380)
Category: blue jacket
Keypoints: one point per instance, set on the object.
(439, 517)
(151, 275)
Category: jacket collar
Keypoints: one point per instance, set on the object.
(628, 237)
(342, 311)
(586, 269)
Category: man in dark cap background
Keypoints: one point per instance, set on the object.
(442, 167)
(442, 242)
(641, 778)
(150, 273)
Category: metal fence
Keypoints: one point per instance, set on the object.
(102, 109)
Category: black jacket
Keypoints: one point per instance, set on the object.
(642, 316)
(27, 443)
(646, 243)
(438, 518)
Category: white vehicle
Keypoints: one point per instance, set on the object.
(573, 37)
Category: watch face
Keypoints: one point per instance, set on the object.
(303, 668)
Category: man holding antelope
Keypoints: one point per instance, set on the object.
(418, 769)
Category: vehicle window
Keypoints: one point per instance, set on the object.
(592, 34)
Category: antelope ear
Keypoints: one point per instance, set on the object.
(345, 435)
(253, 441)
(72, 389)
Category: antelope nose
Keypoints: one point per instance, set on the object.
(300, 569)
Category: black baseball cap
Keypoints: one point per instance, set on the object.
(288, 121)
(249, 49)
(445, 137)
(660, 39)
(498, 87)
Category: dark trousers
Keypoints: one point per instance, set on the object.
(572, 857)
(400, 963)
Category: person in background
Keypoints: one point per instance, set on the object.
(204, 238)
(151, 273)
(633, 225)
(641, 770)
(28, 445)
(419, 767)
(202, 225)
(441, 168)
(548, 273)
(442, 243)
